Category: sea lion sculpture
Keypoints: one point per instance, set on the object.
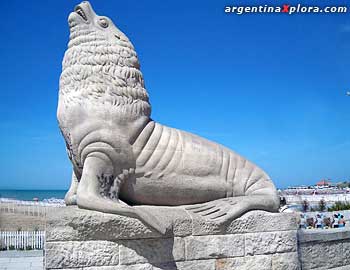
(122, 157)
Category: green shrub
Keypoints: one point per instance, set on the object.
(11, 247)
(338, 206)
(29, 248)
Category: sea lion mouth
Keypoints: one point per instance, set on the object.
(79, 10)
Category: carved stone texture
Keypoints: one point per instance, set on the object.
(121, 157)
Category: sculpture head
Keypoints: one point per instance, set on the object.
(100, 66)
(84, 22)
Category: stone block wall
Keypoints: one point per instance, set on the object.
(81, 239)
(324, 249)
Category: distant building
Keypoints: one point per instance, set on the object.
(323, 183)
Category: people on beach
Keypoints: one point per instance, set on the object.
(341, 221)
(310, 222)
(335, 221)
(327, 223)
(302, 224)
(321, 221)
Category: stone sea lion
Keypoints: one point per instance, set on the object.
(121, 157)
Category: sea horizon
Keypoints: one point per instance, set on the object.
(31, 194)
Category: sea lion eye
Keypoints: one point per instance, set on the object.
(103, 22)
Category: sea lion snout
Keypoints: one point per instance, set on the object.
(83, 13)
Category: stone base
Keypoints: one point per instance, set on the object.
(82, 239)
(325, 249)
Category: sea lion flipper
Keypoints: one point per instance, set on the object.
(98, 183)
(71, 196)
(223, 210)
(213, 209)
(150, 219)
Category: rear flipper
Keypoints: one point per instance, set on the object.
(259, 194)
(71, 195)
(92, 193)
(223, 210)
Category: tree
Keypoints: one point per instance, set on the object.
(322, 205)
(305, 205)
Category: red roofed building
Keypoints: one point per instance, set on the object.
(323, 183)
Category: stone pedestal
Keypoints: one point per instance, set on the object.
(82, 239)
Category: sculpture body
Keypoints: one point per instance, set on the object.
(122, 157)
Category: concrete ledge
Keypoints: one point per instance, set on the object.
(88, 240)
(72, 223)
(20, 253)
(325, 249)
(325, 235)
(83, 239)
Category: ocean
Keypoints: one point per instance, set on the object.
(28, 195)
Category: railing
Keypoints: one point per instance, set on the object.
(317, 197)
(28, 207)
(22, 240)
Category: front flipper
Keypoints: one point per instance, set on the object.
(223, 210)
(98, 184)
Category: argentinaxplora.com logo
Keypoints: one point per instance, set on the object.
(285, 9)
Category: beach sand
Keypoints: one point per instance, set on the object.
(21, 219)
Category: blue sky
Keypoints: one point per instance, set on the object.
(271, 87)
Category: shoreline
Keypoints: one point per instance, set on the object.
(32, 195)
(44, 202)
